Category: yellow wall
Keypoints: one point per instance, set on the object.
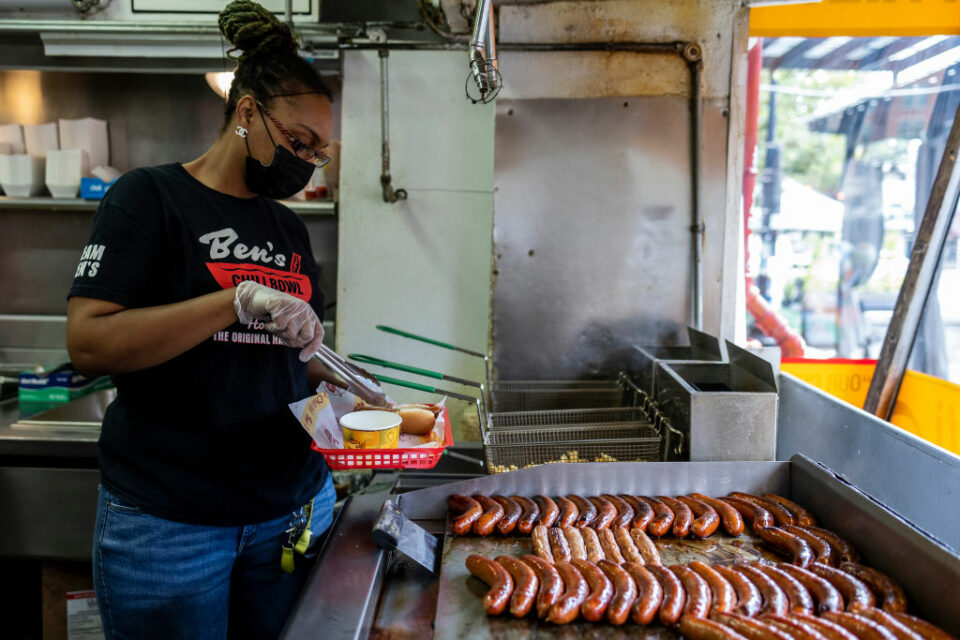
(858, 18)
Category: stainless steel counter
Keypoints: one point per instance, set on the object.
(67, 431)
(356, 590)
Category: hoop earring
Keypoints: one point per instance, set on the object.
(240, 131)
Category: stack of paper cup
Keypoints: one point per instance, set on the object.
(41, 138)
(21, 174)
(88, 134)
(64, 170)
(12, 134)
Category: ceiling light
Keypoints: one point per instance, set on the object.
(220, 82)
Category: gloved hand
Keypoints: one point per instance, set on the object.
(289, 318)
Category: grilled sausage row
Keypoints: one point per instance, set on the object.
(754, 601)
(695, 514)
(781, 523)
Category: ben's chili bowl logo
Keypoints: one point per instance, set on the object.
(223, 244)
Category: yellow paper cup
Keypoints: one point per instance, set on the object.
(370, 430)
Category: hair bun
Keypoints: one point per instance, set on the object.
(254, 30)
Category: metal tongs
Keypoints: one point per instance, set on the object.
(359, 382)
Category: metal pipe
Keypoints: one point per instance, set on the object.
(389, 194)
(918, 282)
(692, 54)
(289, 13)
(483, 53)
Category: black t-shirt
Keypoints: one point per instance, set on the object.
(206, 437)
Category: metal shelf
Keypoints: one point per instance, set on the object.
(310, 208)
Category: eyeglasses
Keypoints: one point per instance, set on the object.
(300, 148)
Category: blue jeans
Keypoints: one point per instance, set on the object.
(156, 578)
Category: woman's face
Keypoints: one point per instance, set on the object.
(302, 124)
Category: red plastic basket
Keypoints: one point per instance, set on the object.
(421, 458)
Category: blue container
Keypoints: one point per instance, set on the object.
(93, 188)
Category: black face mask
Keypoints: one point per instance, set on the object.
(286, 175)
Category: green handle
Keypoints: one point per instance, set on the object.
(404, 383)
(413, 336)
(359, 357)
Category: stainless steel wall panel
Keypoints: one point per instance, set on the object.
(916, 479)
(591, 232)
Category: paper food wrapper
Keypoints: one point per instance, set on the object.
(320, 415)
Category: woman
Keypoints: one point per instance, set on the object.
(196, 291)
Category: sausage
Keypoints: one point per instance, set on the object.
(827, 596)
(830, 629)
(730, 517)
(549, 511)
(649, 594)
(529, 514)
(848, 553)
(558, 545)
(799, 599)
(833, 553)
(525, 585)
(788, 544)
(724, 596)
(588, 512)
(925, 629)
(699, 598)
(682, 516)
(594, 549)
(780, 515)
(551, 584)
(568, 512)
(468, 510)
(624, 592)
(706, 521)
(774, 599)
(627, 547)
(646, 547)
(567, 607)
(863, 628)
(601, 591)
(642, 512)
(854, 591)
(891, 624)
(625, 512)
(511, 515)
(795, 627)
(889, 594)
(606, 513)
(751, 628)
(674, 596)
(662, 517)
(610, 547)
(821, 548)
(575, 541)
(702, 629)
(759, 517)
(497, 578)
(800, 515)
(749, 599)
(492, 513)
(541, 542)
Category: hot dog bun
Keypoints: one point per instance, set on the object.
(416, 420)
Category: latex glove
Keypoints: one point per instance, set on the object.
(289, 318)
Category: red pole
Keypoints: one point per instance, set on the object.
(769, 321)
